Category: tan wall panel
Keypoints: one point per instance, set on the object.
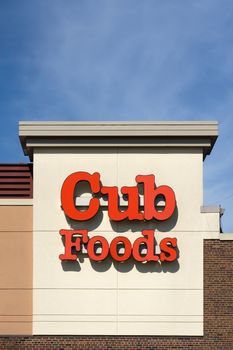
(16, 311)
(15, 302)
(16, 328)
(15, 270)
(15, 259)
(15, 218)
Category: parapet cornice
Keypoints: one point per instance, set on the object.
(117, 134)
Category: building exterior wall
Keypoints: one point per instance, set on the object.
(218, 310)
(114, 298)
(47, 303)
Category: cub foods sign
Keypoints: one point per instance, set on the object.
(75, 239)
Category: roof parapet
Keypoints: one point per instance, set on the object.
(202, 134)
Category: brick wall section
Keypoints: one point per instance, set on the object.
(218, 317)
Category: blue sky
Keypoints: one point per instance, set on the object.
(121, 60)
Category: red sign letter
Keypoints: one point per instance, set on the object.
(149, 242)
(67, 195)
(91, 248)
(169, 249)
(150, 194)
(69, 243)
(127, 248)
(132, 212)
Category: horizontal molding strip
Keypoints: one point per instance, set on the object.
(125, 232)
(16, 201)
(99, 315)
(117, 321)
(114, 289)
(118, 128)
(96, 288)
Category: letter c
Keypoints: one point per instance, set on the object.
(67, 195)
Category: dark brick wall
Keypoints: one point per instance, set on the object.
(218, 317)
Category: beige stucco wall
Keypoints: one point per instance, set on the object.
(114, 298)
(16, 268)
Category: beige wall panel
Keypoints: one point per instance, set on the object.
(73, 274)
(115, 289)
(159, 318)
(211, 225)
(74, 318)
(160, 302)
(69, 328)
(75, 302)
(161, 328)
(110, 274)
(58, 167)
(174, 275)
(181, 170)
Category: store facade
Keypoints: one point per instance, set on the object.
(112, 243)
